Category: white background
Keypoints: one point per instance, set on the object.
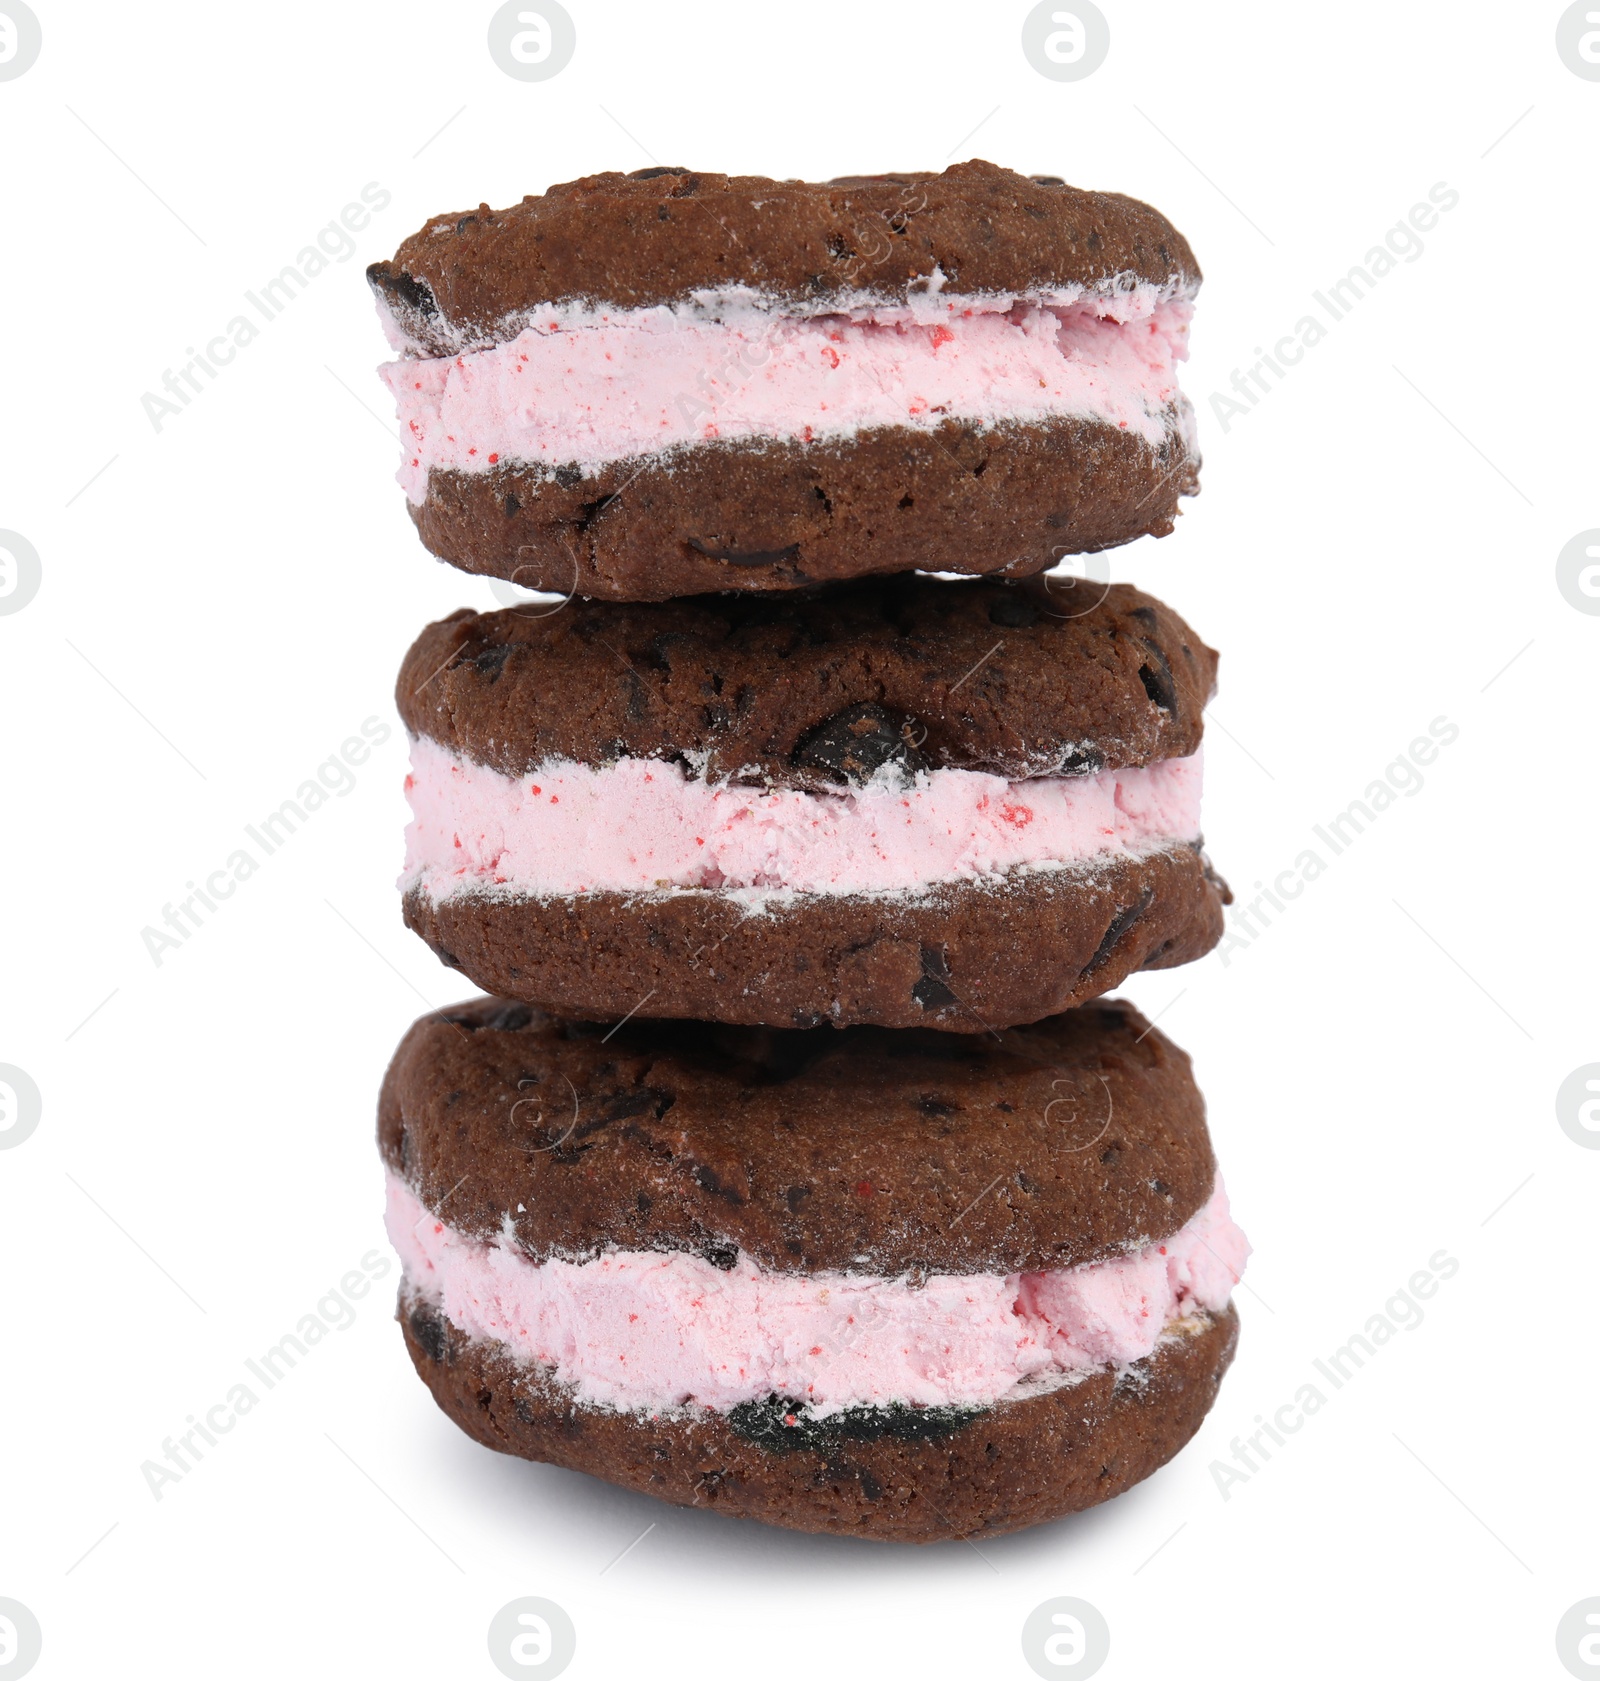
(230, 597)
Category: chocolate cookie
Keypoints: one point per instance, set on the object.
(904, 801)
(470, 279)
(900, 1285)
(640, 386)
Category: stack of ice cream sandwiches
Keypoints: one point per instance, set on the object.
(796, 1166)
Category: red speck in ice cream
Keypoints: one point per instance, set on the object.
(555, 799)
(1018, 816)
(493, 458)
(632, 1317)
(831, 354)
(411, 782)
(537, 789)
(942, 335)
(699, 840)
(790, 1420)
(816, 1350)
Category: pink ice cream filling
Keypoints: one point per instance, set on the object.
(642, 824)
(651, 1331)
(581, 388)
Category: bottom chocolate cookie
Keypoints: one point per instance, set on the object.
(896, 1473)
(770, 514)
(967, 956)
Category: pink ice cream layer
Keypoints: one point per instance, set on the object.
(649, 1331)
(643, 824)
(583, 388)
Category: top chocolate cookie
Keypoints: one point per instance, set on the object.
(474, 278)
(804, 1150)
(641, 386)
